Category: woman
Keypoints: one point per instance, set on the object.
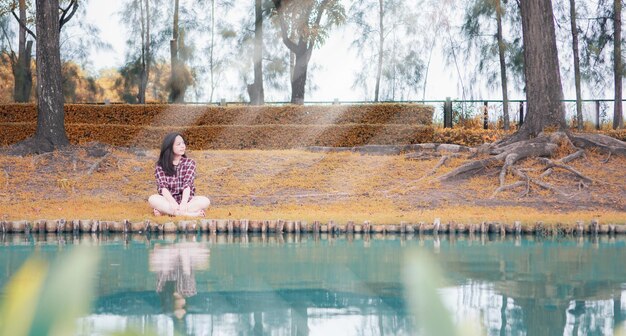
(175, 175)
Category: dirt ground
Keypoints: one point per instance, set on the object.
(96, 181)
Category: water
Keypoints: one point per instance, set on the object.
(298, 285)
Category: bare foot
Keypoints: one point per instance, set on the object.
(156, 212)
(193, 214)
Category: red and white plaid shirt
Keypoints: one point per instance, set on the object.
(185, 176)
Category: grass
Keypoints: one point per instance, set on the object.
(300, 185)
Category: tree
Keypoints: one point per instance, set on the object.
(140, 16)
(180, 77)
(596, 57)
(78, 86)
(22, 65)
(20, 62)
(146, 57)
(490, 42)
(255, 90)
(544, 91)
(544, 130)
(618, 118)
(574, 28)
(274, 66)
(50, 133)
(302, 29)
(386, 41)
(503, 79)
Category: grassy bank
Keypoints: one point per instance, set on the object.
(80, 183)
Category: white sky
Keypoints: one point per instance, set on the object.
(334, 78)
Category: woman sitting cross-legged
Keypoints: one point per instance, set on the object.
(175, 175)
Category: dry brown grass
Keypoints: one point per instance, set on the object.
(299, 185)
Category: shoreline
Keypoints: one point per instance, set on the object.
(278, 227)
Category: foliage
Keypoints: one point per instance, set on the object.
(479, 26)
(275, 58)
(35, 293)
(127, 84)
(303, 19)
(77, 85)
(401, 64)
(6, 80)
(597, 36)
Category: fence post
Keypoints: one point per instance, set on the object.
(521, 113)
(447, 113)
(486, 115)
(598, 114)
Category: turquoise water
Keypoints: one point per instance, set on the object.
(323, 285)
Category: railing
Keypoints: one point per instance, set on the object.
(595, 111)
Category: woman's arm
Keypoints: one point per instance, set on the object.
(170, 199)
(184, 202)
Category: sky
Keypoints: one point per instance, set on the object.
(334, 78)
(334, 75)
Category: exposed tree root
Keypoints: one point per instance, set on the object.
(30, 146)
(97, 164)
(505, 153)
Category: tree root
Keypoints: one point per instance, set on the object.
(507, 152)
(97, 164)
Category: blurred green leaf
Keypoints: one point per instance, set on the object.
(17, 312)
(67, 293)
(423, 279)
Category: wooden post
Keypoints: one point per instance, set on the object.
(486, 115)
(598, 114)
(447, 113)
(521, 114)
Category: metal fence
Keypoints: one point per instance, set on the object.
(596, 112)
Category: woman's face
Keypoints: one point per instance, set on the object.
(179, 146)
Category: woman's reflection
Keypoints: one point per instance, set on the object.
(175, 265)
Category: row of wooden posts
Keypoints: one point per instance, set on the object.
(216, 226)
(448, 113)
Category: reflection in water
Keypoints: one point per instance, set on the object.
(321, 285)
(174, 265)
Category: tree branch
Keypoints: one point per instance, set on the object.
(318, 19)
(65, 17)
(283, 28)
(23, 25)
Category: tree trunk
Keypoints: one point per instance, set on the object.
(618, 119)
(141, 95)
(22, 73)
(550, 319)
(503, 79)
(544, 92)
(381, 42)
(579, 103)
(256, 92)
(50, 132)
(177, 94)
(146, 77)
(298, 82)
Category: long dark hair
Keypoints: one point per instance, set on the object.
(166, 157)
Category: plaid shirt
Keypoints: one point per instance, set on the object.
(185, 175)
